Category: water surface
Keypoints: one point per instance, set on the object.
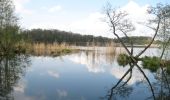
(86, 75)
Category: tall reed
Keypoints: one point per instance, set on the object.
(50, 49)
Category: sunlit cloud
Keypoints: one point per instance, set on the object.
(91, 23)
(20, 9)
(138, 15)
(94, 25)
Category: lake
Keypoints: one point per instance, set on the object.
(85, 75)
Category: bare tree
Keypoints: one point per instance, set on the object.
(120, 24)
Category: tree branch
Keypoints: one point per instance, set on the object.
(120, 80)
(129, 76)
(156, 32)
(147, 79)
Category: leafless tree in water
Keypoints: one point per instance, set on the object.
(120, 24)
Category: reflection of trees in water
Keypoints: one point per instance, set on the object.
(119, 23)
(162, 85)
(96, 59)
(119, 93)
(99, 56)
(11, 70)
(160, 89)
(123, 90)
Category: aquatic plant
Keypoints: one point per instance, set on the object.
(123, 59)
(151, 63)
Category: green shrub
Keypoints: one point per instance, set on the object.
(66, 51)
(123, 59)
(151, 63)
(168, 69)
(168, 66)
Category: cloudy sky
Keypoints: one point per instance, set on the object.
(79, 16)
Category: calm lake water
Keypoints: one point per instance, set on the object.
(78, 76)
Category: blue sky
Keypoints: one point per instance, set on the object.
(79, 16)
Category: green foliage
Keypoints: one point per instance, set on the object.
(10, 40)
(123, 59)
(61, 52)
(166, 64)
(168, 69)
(151, 63)
(66, 50)
(138, 40)
(52, 36)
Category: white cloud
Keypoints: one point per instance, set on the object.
(54, 9)
(19, 6)
(93, 23)
(134, 9)
(138, 14)
(44, 25)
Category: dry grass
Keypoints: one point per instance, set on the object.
(54, 49)
(111, 48)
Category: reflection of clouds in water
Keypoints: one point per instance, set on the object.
(148, 52)
(19, 91)
(91, 61)
(30, 70)
(136, 74)
(19, 96)
(61, 93)
(53, 74)
(95, 69)
(20, 87)
(98, 62)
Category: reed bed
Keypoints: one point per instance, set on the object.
(111, 48)
(53, 49)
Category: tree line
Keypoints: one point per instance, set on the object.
(57, 36)
(137, 40)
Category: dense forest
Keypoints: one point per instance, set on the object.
(51, 36)
(137, 40)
